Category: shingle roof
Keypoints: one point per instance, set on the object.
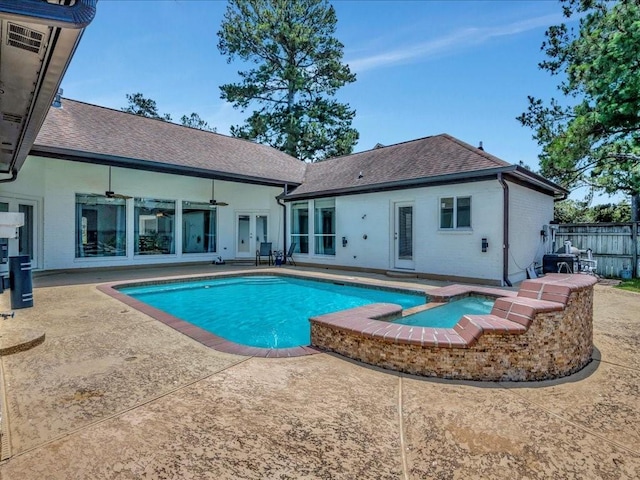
(85, 132)
(95, 132)
(425, 158)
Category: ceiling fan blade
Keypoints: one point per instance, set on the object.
(110, 194)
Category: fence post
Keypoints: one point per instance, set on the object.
(634, 242)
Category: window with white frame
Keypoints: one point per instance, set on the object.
(325, 227)
(198, 227)
(154, 226)
(455, 213)
(101, 226)
(300, 226)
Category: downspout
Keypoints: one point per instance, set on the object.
(505, 230)
(284, 216)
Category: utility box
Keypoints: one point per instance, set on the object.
(20, 281)
(560, 263)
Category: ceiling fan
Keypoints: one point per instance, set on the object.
(213, 200)
(110, 193)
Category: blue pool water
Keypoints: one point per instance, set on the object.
(447, 315)
(261, 311)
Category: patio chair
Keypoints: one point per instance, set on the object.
(289, 256)
(264, 251)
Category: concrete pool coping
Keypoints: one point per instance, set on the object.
(221, 344)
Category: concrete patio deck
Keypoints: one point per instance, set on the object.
(114, 394)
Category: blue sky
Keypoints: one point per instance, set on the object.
(423, 67)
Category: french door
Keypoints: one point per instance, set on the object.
(252, 228)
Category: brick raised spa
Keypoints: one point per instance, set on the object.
(544, 331)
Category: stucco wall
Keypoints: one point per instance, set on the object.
(55, 183)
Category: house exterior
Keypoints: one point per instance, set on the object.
(104, 188)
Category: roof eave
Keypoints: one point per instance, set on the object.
(67, 23)
(559, 192)
(475, 176)
(147, 165)
(478, 175)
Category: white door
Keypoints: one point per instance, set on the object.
(252, 229)
(27, 241)
(403, 239)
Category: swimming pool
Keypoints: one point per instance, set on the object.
(262, 311)
(447, 315)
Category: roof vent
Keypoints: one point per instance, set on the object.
(11, 117)
(57, 100)
(24, 38)
(480, 147)
(378, 145)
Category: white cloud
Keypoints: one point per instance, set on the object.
(448, 43)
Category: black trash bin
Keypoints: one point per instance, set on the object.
(20, 282)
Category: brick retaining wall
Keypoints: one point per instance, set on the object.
(544, 332)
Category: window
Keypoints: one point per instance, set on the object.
(100, 226)
(300, 226)
(455, 212)
(325, 227)
(198, 227)
(154, 224)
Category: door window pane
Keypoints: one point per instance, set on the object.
(300, 226)
(244, 230)
(325, 227)
(25, 238)
(405, 230)
(100, 226)
(261, 230)
(198, 228)
(154, 224)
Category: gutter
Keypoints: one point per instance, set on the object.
(12, 178)
(151, 166)
(462, 177)
(505, 230)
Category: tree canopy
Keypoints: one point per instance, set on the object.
(576, 211)
(591, 136)
(146, 107)
(294, 69)
(194, 121)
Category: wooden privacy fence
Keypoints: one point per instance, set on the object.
(614, 245)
